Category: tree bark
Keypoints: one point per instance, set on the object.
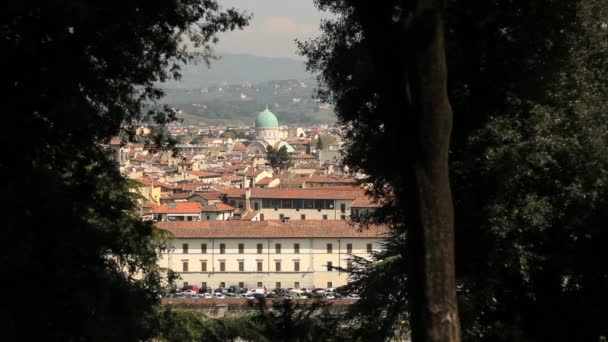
(433, 292)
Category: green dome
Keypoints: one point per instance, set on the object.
(290, 148)
(266, 119)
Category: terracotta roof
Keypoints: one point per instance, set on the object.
(183, 195)
(270, 229)
(264, 181)
(239, 147)
(318, 193)
(208, 195)
(204, 174)
(325, 179)
(180, 208)
(217, 207)
(229, 178)
(364, 202)
(249, 215)
(148, 182)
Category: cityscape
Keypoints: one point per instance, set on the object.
(305, 171)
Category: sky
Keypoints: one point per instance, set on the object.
(273, 28)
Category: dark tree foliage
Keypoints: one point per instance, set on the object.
(383, 66)
(76, 74)
(288, 321)
(278, 159)
(528, 159)
(283, 321)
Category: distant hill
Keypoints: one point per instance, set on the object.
(237, 68)
(239, 104)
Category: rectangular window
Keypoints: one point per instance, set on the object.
(369, 248)
(222, 284)
(277, 266)
(260, 266)
(325, 217)
(203, 266)
(241, 248)
(296, 248)
(203, 248)
(185, 248)
(342, 207)
(185, 284)
(349, 248)
(260, 248)
(286, 204)
(309, 204)
(296, 284)
(241, 285)
(330, 284)
(222, 248)
(261, 217)
(296, 266)
(303, 217)
(330, 248)
(241, 266)
(204, 285)
(277, 248)
(185, 266)
(259, 284)
(329, 266)
(349, 265)
(222, 266)
(278, 285)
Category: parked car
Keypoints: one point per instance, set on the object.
(248, 296)
(297, 294)
(189, 292)
(191, 287)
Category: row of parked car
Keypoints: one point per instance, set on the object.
(290, 293)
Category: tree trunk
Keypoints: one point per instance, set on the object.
(433, 292)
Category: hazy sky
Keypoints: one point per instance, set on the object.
(275, 25)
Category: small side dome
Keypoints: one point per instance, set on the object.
(266, 119)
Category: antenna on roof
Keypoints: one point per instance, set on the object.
(266, 107)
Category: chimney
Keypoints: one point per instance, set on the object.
(247, 199)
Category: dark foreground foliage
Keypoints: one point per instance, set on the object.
(528, 163)
(81, 263)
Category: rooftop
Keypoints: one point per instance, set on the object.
(270, 229)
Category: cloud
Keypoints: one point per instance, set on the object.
(279, 25)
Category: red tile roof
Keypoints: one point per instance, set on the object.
(264, 181)
(239, 147)
(318, 193)
(203, 174)
(364, 202)
(325, 179)
(148, 182)
(270, 229)
(180, 208)
(208, 195)
(249, 215)
(217, 207)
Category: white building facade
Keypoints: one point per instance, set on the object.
(270, 254)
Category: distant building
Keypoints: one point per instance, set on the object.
(267, 133)
(271, 254)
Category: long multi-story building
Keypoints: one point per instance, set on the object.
(296, 204)
(270, 254)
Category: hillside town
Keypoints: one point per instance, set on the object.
(237, 222)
